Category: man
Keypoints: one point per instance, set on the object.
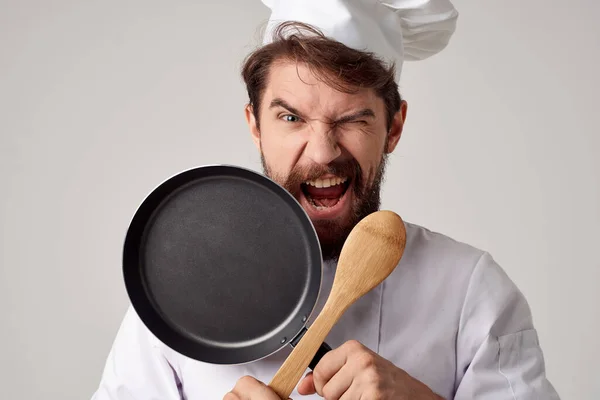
(447, 323)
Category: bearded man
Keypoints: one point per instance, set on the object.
(325, 112)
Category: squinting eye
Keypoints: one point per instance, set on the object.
(290, 118)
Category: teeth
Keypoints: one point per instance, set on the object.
(327, 182)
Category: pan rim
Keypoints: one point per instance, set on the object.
(143, 303)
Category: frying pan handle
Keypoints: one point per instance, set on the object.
(320, 353)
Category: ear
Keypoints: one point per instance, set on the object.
(396, 128)
(252, 125)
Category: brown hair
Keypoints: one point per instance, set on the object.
(337, 65)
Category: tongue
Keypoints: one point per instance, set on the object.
(325, 197)
(325, 202)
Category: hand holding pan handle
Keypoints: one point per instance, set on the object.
(371, 252)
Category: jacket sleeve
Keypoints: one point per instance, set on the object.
(427, 25)
(499, 354)
(136, 368)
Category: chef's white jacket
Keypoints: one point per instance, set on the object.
(448, 315)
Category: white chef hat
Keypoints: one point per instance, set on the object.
(394, 30)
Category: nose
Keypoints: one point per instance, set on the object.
(322, 147)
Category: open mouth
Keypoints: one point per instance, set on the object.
(324, 193)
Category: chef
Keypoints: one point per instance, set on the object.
(325, 112)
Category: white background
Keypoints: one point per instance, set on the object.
(102, 100)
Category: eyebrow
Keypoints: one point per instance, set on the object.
(278, 102)
(365, 112)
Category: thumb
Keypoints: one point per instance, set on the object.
(307, 385)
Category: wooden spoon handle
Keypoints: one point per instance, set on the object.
(290, 373)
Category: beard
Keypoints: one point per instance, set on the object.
(333, 233)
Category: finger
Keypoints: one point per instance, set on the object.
(231, 396)
(329, 365)
(338, 384)
(354, 392)
(307, 385)
(249, 388)
(245, 384)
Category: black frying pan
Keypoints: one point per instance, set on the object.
(223, 265)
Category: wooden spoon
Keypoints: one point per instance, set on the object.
(370, 253)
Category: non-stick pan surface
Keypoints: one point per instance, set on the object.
(222, 264)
